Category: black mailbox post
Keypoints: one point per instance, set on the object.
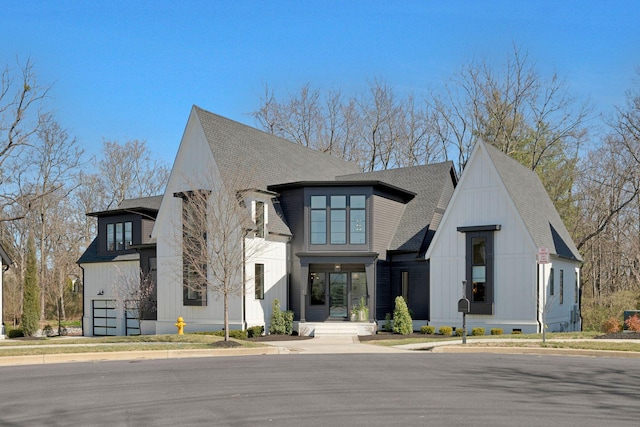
(464, 306)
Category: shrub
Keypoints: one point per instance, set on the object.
(497, 331)
(402, 323)
(427, 329)
(477, 331)
(611, 325)
(387, 322)
(30, 320)
(633, 323)
(234, 333)
(516, 331)
(281, 321)
(255, 331)
(459, 332)
(15, 333)
(445, 330)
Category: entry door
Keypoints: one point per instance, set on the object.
(337, 295)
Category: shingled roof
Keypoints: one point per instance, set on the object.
(272, 160)
(423, 213)
(534, 205)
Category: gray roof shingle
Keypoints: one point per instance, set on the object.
(534, 205)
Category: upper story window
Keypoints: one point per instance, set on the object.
(119, 236)
(338, 219)
(260, 219)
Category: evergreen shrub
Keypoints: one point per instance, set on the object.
(427, 329)
(281, 321)
(477, 331)
(255, 331)
(497, 331)
(402, 323)
(459, 332)
(15, 333)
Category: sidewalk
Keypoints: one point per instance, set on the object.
(318, 345)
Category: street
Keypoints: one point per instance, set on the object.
(349, 389)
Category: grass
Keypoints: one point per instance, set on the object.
(57, 345)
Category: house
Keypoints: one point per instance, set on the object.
(317, 234)
(499, 217)
(121, 249)
(5, 263)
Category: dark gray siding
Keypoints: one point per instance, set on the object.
(147, 227)
(386, 215)
(384, 303)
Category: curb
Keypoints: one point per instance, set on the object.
(46, 359)
(535, 351)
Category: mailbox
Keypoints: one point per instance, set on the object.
(464, 306)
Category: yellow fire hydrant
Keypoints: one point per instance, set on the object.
(180, 325)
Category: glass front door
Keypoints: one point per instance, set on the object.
(337, 295)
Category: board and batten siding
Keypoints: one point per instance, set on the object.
(100, 278)
(481, 199)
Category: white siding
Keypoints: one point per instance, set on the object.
(99, 282)
(481, 199)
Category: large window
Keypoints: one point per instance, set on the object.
(340, 217)
(479, 267)
(119, 236)
(259, 281)
(194, 248)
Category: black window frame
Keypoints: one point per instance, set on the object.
(258, 281)
(328, 211)
(561, 290)
(111, 234)
(486, 232)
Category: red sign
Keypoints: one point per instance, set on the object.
(543, 255)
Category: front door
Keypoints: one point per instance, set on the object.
(338, 295)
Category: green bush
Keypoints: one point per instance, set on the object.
(281, 321)
(459, 332)
(15, 333)
(477, 331)
(30, 320)
(497, 331)
(234, 333)
(387, 322)
(402, 323)
(445, 330)
(255, 331)
(427, 329)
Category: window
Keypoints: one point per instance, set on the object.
(194, 248)
(259, 281)
(260, 219)
(317, 288)
(552, 290)
(561, 286)
(479, 267)
(318, 220)
(119, 236)
(405, 286)
(338, 220)
(576, 290)
(344, 219)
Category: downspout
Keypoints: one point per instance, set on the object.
(244, 281)
(538, 311)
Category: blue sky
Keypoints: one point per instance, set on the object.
(132, 69)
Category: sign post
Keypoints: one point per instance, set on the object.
(543, 258)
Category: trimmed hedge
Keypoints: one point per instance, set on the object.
(445, 330)
(459, 332)
(255, 331)
(477, 332)
(15, 333)
(497, 331)
(428, 329)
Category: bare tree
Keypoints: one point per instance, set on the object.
(134, 292)
(216, 240)
(129, 171)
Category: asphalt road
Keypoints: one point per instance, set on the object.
(327, 390)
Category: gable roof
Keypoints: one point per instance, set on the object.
(422, 214)
(267, 160)
(533, 204)
(271, 159)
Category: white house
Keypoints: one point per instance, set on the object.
(497, 220)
